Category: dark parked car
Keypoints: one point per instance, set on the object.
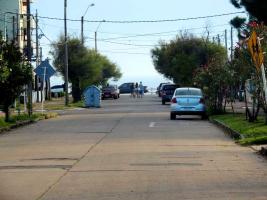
(111, 91)
(126, 88)
(167, 91)
(159, 88)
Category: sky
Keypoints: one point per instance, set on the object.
(129, 44)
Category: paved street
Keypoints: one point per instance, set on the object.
(128, 149)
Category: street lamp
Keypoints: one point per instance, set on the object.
(82, 22)
(96, 33)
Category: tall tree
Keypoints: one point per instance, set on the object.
(256, 8)
(178, 59)
(16, 74)
(86, 66)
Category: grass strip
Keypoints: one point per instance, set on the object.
(16, 120)
(252, 132)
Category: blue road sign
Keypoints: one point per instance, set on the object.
(44, 71)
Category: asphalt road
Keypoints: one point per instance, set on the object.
(127, 150)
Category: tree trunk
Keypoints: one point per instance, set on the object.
(7, 114)
(76, 91)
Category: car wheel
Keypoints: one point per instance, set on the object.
(204, 116)
(163, 102)
(172, 116)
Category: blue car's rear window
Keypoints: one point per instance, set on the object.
(191, 92)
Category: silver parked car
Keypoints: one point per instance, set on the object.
(187, 101)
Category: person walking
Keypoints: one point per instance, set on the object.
(136, 90)
(132, 90)
(141, 90)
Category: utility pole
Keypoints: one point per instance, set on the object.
(82, 22)
(82, 35)
(41, 58)
(13, 28)
(18, 34)
(37, 55)
(29, 55)
(66, 56)
(218, 39)
(225, 41)
(231, 43)
(95, 41)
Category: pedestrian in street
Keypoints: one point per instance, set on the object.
(136, 90)
(132, 90)
(141, 90)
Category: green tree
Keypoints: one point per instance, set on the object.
(256, 8)
(178, 59)
(86, 66)
(4, 72)
(215, 79)
(16, 74)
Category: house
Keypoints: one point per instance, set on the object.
(13, 21)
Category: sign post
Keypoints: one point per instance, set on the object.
(255, 49)
(44, 71)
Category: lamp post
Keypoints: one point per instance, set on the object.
(82, 22)
(66, 67)
(96, 34)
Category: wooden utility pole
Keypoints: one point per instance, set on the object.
(218, 39)
(82, 34)
(37, 55)
(13, 28)
(232, 43)
(66, 56)
(95, 41)
(29, 55)
(226, 42)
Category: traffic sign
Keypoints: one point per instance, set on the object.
(44, 71)
(255, 50)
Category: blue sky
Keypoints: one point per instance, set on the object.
(132, 55)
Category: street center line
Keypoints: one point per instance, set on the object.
(152, 124)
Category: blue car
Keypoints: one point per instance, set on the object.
(187, 101)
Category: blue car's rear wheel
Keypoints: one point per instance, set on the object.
(172, 116)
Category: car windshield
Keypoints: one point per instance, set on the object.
(169, 87)
(187, 91)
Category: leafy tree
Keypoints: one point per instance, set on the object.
(4, 72)
(256, 8)
(178, 59)
(14, 75)
(86, 67)
(215, 79)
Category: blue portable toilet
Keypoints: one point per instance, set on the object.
(92, 96)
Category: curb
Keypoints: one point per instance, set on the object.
(232, 133)
(236, 135)
(17, 125)
(263, 151)
(27, 122)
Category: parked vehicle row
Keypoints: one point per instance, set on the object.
(126, 88)
(183, 100)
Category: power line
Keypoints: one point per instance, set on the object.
(144, 21)
(156, 34)
(124, 52)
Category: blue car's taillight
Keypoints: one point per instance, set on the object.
(173, 100)
(201, 100)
